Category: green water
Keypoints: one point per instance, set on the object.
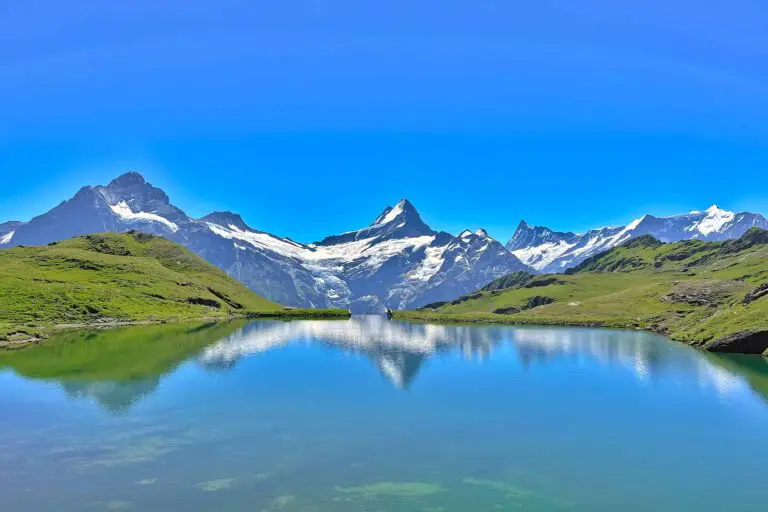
(374, 415)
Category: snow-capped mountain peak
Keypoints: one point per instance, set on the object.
(549, 251)
(400, 211)
(398, 222)
(132, 188)
(714, 209)
(226, 219)
(714, 221)
(528, 236)
(129, 179)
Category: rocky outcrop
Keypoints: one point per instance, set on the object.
(758, 293)
(744, 342)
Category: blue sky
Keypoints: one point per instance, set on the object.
(309, 116)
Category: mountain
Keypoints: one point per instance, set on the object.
(7, 231)
(710, 294)
(108, 278)
(395, 262)
(551, 251)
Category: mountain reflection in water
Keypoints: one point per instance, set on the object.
(119, 368)
(372, 414)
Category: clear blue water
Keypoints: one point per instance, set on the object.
(375, 415)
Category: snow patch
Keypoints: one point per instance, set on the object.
(430, 265)
(125, 213)
(6, 238)
(542, 255)
(390, 215)
(258, 240)
(369, 254)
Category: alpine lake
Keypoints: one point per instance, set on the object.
(370, 414)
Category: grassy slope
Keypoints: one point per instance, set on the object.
(127, 277)
(691, 291)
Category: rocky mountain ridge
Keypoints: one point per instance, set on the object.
(396, 262)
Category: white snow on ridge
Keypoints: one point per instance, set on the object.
(371, 256)
(124, 211)
(390, 215)
(713, 222)
(6, 238)
(259, 240)
(542, 255)
(433, 261)
(634, 224)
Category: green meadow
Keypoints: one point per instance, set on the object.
(110, 279)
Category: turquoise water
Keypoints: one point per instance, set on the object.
(374, 415)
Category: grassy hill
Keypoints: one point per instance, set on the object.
(112, 278)
(710, 294)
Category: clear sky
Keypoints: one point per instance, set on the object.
(309, 116)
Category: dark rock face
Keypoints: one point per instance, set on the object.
(745, 342)
(539, 300)
(507, 311)
(758, 293)
(540, 282)
(395, 262)
(227, 219)
(86, 212)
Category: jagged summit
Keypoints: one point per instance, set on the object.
(403, 211)
(549, 251)
(132, 188)
(129, 179)
(398, 222)
(527, 236)
(226, 219)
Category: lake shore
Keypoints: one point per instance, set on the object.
(736, 343)
(13, 337)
